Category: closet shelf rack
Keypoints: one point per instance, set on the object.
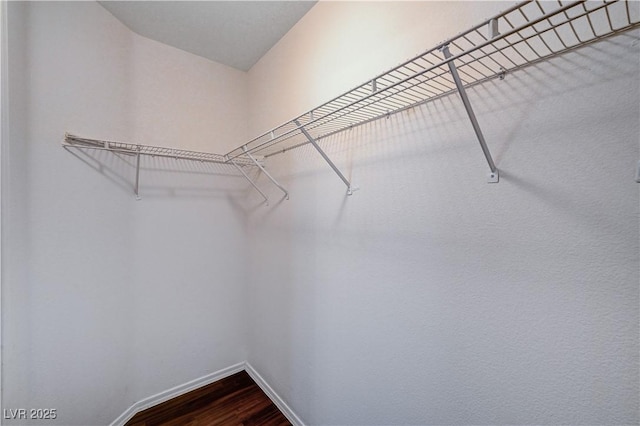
(72, 141)
(523, 35)
(154, 151)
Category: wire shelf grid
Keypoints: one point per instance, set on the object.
(149, 150)
(520, 36)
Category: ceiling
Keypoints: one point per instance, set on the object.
(234, 33)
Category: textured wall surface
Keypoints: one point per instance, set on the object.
(428, 297)
(431, 297)
(66, 314)
(338, 45)
(107, 300)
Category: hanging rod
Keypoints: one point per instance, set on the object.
(525, 34)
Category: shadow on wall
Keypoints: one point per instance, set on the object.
(466, 284)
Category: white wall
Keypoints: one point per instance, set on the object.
(107, 300)
(67, 311)
(189, 229)
(14, 208)
(429, 296)
(183, 100)
(338, 45)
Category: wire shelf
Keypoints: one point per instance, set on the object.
(149, 150)
(520, 36)
(523, 35)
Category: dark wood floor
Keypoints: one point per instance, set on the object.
(235, 400)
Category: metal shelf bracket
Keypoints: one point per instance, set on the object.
(494, 176)
(313, 142)
(246, 176)
(136, 188)
(266, 173)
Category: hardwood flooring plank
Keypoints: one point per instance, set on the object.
(235, 400)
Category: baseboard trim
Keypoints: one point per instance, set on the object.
(279, 402)
(203, 381)
(177, 391)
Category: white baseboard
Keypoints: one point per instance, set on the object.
(203, 381)
(176, 391)
(273, 396)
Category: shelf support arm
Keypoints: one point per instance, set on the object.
(246, 176)
(286, 193)
(136, 188)
(494, 175)
(313, 142)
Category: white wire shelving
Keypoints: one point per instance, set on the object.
(523, 35)
(527, 33)
(137, 150)
(154, 151)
